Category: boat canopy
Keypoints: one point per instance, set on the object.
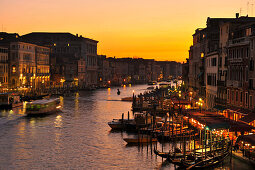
(247, 138)
(218, 122)
(249, 118)
(43, 101)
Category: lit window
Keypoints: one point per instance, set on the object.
(13, 69)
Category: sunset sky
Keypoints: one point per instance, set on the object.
(159, 29)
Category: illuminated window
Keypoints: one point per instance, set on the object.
(13, 69)
(248, 31)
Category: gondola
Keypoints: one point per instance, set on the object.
(169, 155)
(208, 162)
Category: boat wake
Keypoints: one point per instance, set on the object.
(6, 120)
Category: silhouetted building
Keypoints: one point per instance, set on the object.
(69, 54)
(4, 68)
(208, 58)
(185, 72)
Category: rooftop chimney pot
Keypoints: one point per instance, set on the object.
(237, 15)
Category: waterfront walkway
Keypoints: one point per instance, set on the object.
(239, 154)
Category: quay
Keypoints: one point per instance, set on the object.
(172, 117)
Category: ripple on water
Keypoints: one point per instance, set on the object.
(77, 138)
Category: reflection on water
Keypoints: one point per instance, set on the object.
(76, 104)
(78, 137)
(58, 121)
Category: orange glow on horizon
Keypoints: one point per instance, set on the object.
(151, 29)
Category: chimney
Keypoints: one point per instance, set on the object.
(237, 15)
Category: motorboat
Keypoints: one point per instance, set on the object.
(121, 124)
(41, 107)
(140, 140)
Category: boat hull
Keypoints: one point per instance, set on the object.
(139, 140)
(42, 113)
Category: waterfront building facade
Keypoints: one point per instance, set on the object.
(22, 65)
(67, 51)
(4, 67)
(228, 63)
(42, 77)
(211, 77)
(240, 91)
(196, 63)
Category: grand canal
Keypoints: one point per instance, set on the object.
(79, 137)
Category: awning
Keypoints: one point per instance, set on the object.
(238, 110)
(218, 125)
(219, 107)
(215, 121)
(247, 138)
(238, 126)
(249, 118)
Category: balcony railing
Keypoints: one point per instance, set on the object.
(242, 40)
(234, 83)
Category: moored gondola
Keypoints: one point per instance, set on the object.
(207, 162)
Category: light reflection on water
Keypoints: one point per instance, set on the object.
(77, 138)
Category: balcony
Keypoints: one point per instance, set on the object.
(235, 60)
(238, 41)
(233, 83)
(237, 84)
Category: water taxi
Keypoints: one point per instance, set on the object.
(44, 106)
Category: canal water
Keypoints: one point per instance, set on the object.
(79, 137)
